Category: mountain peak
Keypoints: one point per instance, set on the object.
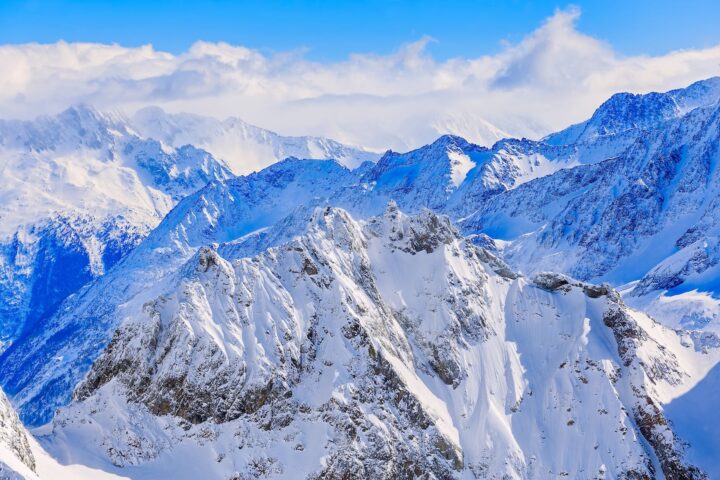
(625, 111)
(80, 110)
(450, 140)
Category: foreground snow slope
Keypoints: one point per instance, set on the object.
(386, 348)
(23, 458)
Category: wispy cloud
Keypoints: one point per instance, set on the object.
(555, 76)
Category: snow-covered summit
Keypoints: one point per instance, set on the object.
(85, 162)
(80, 190)
(651, 199)
(78, 126)
(219, 212)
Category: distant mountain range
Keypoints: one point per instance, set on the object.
(245, 148)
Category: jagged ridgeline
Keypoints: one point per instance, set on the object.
(390, 320)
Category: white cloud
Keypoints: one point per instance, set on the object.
(553, 77)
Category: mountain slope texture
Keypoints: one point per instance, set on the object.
(529, 310)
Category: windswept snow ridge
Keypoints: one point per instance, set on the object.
(80, 191)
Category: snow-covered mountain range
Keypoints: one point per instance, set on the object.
(359, 319)
(81, 190)
(245, 148)
(646, 213)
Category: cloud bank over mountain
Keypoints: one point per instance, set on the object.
(555, 76)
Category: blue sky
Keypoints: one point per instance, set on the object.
(332, 30)
(361, 72)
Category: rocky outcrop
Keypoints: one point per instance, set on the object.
(169, 362)
(558, 282)
(653, 425)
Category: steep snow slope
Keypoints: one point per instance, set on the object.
(79, 191)
(386, 348)
(23, 458)
(16, 458)
(244, 147)
(692, 310)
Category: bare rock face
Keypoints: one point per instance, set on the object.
(558, 282)
(13, 435)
